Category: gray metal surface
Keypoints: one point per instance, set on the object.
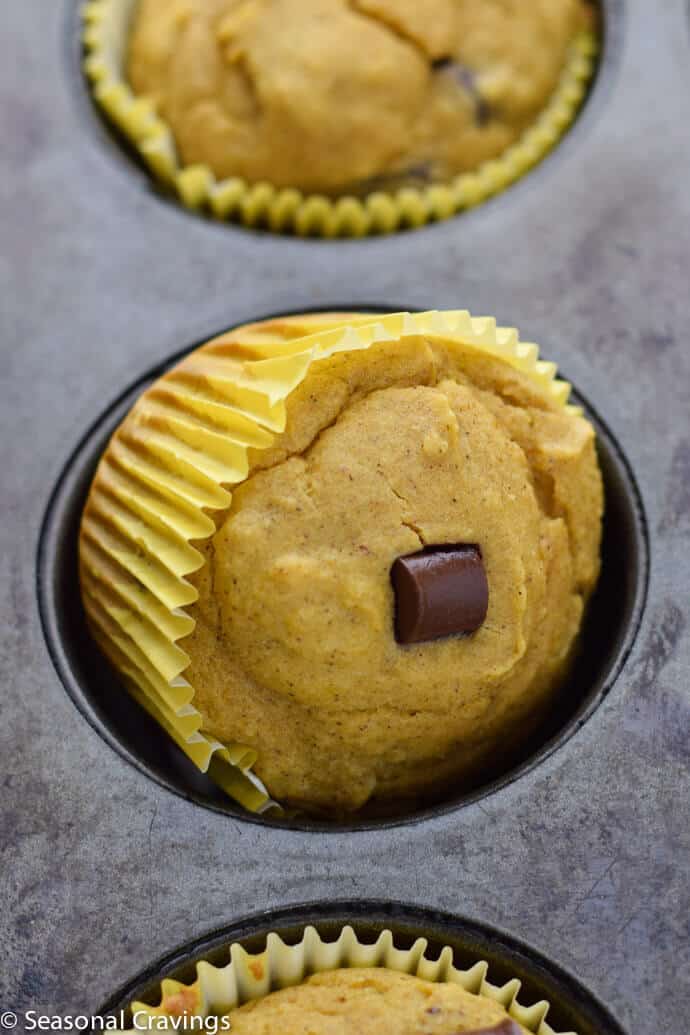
(587, 856)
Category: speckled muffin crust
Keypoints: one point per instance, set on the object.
(338, 96)
(372, 1001)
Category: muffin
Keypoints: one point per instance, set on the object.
(338, 99)
(333, 96)
(389, 597)
(372, 1001)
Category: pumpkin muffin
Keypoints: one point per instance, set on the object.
(349, 96)
(391, 596)
(372, 1001)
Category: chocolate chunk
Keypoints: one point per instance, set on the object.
(467, 79)
(440, 591)
(418, 175)
(506, 1027)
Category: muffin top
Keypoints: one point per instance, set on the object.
(372, 1001)
(338, 96)
(368, 445)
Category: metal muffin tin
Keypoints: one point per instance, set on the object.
(584, 852)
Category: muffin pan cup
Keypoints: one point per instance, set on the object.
(609, 630)
(581, 849)
(220, 970)
(145, 132)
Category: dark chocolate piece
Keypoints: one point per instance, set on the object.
(440, 591)
(467, 79)
(506, 1027)
(416, 176)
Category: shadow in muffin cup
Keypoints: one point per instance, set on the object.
(609, 630)
(573, 1007)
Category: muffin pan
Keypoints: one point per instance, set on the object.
(582, 853)
(573, 1007)
(611, 625)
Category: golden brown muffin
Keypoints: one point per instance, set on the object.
(371, 1001)
(341, 96)
(410, 443)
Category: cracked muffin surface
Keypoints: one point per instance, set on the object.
(372, 1001)
(349, 95)
(384, 452)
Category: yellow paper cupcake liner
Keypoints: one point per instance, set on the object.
(217, 990)
(286, 210)
(164, 484)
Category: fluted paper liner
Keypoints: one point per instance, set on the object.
(164, 484)
(217, 990)
(106, 27)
